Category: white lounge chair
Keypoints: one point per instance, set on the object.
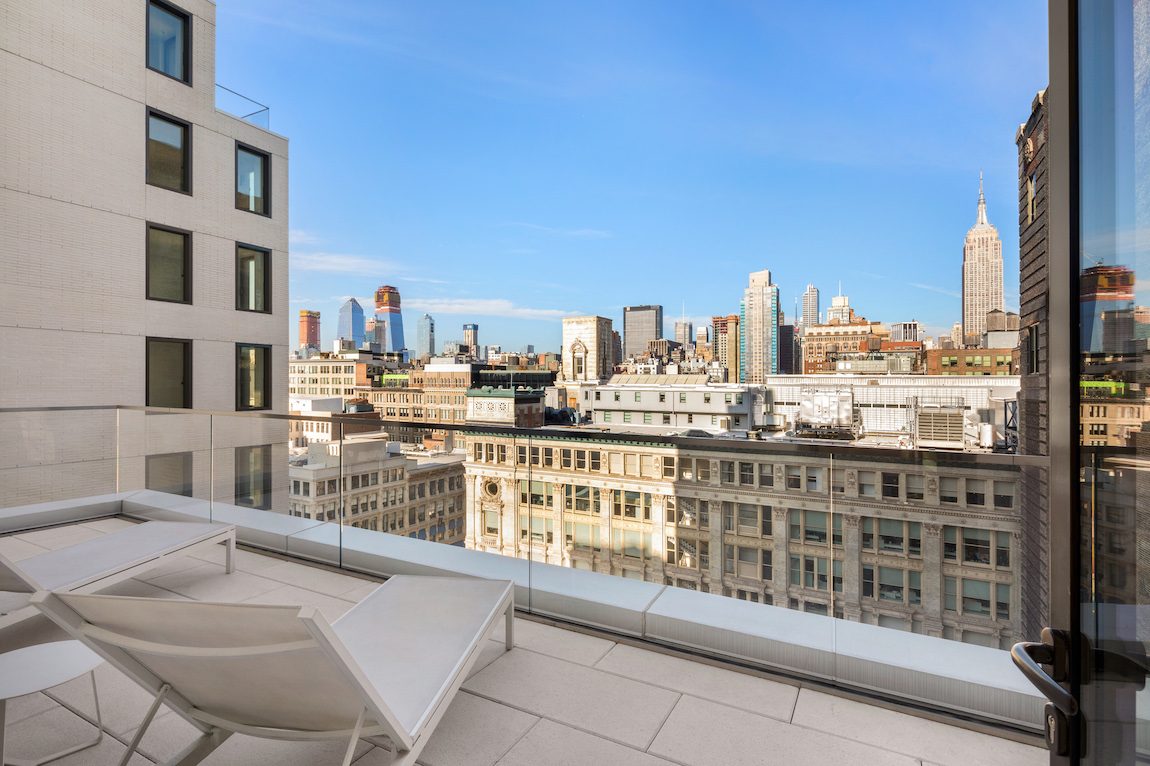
(388, 668)
(108, 559)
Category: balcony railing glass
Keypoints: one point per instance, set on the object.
(890, 570)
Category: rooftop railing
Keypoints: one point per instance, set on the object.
(239, 105)
(899, 573)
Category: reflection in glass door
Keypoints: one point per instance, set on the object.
(1113, 261)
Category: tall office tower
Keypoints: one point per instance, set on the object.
(787, 336)
(308, 329)
(702, 335)
(725, 344)
(641, 325)
(387, 309)
(587, 353)
(906, 332)
(981, 271)
(1033, 413)
(810, 315)
(956, 335)
(616, 348)
(351, 325)
(471, 339)
(425, 337)
(758, 329)
(840, 310)
(106, 205)
(684, 332)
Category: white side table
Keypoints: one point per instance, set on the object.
(36, 668)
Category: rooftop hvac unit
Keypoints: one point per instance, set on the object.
(939, 428)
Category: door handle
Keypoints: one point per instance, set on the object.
(1029, 656)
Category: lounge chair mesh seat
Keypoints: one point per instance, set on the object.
(389, 667)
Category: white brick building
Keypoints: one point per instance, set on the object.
(139, 222)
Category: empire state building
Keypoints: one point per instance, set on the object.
(981, 271)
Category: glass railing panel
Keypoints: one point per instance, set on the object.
(57, 454)
(249, 466)
(166, 451)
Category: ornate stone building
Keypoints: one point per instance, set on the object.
(874, 536)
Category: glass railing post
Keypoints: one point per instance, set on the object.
(342, 491)
(211, 466)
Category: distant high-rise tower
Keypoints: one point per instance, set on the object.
(840, 310)
(641, 325)
(981, 271)
(810, 315)
(308, 329)
(725, 344)
(471, 339)
(684, 332)
(351, 322)
(387, 310)
(759, 329)
(425, 337)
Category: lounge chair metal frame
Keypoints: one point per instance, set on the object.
(375, 719)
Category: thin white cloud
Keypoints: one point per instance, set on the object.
(338, 263)
(425, 280)
(574, 233)
(492, 307)
(302, 237)
(939, 290)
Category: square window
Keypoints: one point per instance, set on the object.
(169, 264)
(169, 153)
(253, 377)
(252, 180)
(253, 477)
(169, 373)
(253, 279)
(169, 41)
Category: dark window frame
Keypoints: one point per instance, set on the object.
(267, 253)
(175, 10)
(187, 368)
(267, 378)
(149, 113)
(148, 226)
(267, 176)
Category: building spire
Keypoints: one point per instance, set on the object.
(981, 202)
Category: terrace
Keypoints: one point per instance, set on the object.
(565, 694)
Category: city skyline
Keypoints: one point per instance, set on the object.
(610, 151)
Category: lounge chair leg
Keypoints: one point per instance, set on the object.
(144, 724)
(509, 631)
(354, 739)
(231, 556)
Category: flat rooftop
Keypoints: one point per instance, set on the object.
(561, 697)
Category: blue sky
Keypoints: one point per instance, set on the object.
(509, 163)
